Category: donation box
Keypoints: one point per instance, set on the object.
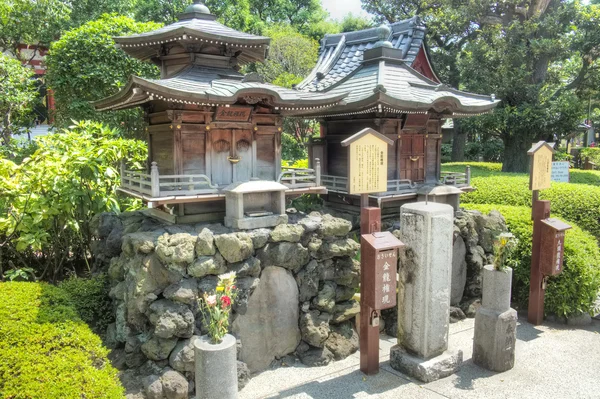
(552, 246)
(379, 253)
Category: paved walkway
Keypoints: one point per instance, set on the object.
(552, 361)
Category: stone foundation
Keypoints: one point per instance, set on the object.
(296, 283)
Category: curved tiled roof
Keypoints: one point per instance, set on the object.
(204, 85)
(342, 53)
(377, 75)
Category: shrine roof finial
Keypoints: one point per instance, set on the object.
(196, 10)
(383, 34)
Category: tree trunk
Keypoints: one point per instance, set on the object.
(516, 159)
(459, 141)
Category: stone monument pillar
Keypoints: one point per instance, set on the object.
(495, 323)
(424, 293)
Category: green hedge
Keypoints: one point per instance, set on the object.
(46, 351)
(572, 292)
(90, 298)
(482, 169)
(577, 203)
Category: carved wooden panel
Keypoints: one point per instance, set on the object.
(412, 157)
(193, 152)
(162, 152)
(265, 157)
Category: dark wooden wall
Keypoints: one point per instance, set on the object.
(415, 154)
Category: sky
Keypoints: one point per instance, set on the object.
(339, 8)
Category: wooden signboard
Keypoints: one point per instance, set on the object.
(367, 162)
(378, 287)
(541, 166)
(233, 114)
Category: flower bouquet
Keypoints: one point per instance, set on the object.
(503, 247)
(216, 307)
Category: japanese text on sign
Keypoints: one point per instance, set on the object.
(368, 166)
(541, 166)
(235, 114)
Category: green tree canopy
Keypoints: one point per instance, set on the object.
(17, 96)
(84, 65)
(537, 56)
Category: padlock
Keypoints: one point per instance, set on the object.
(374, 319)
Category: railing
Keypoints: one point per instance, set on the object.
(339, 184)
(156, 185)
(335, 183)
(136, 181)
(457, 179)
(301, 178)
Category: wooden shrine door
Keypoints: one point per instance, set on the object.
(242, 170)
(412, 157)
(221, 168)
(231, 156)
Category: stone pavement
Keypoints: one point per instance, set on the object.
(552, 361)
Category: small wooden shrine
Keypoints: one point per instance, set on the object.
(389, 85)
(211, 127)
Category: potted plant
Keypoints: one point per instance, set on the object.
(495, 322)
(215, 353)
(497, 277)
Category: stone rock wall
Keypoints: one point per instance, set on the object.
(296, 283)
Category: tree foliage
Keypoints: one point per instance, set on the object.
(538, 56)
(48, 200)
(17, 97)
(84, 65)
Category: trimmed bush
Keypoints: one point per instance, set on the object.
(577, 203)
(570, 293)
(91, 300)
(482, 169)
(47, 351)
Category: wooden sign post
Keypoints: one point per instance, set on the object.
(367, 174)
(539, 179)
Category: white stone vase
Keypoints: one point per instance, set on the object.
(216, 368)
(495, 322)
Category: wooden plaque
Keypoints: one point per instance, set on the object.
(540, 174)
(367, 162)
(233, 114)
(380, 252)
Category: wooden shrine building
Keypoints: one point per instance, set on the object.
(213, 132)
(389, 85)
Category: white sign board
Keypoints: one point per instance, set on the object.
(560, 171)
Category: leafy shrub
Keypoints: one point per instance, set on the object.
(85, 65)
(300, 163)
(291, 149)
(446, 152)
(575, 202)
(47, 351)
(90, 298)
(49, 199)
(479, 169)
(572, 292)
(592, 153)
(579, 176)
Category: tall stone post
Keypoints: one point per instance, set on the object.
(495, 323)
(424, 293)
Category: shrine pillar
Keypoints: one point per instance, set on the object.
(424, 293)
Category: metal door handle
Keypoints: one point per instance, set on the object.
(414, 159)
